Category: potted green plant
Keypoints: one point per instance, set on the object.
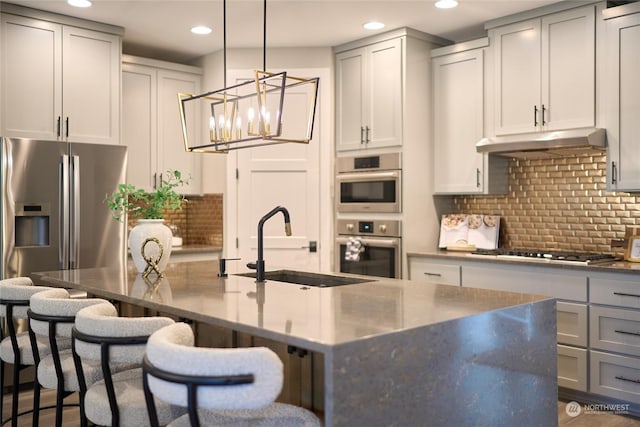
(150, 239)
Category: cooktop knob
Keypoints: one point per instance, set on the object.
(383, 228)
(349, 227)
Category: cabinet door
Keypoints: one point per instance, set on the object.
(171, 151)
(31, 64)
(139, 124)
(568, 69)
(623, 126)
(572, 367)
(458, 117)
(517, 77)
(349, 100)
(383, 126)
(91, 84)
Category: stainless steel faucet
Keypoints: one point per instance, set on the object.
(259, 264)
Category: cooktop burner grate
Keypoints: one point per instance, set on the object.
(577, 257)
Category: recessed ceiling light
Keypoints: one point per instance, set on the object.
(79, 3)
(446, 4)
(373, 25)
(201, 29)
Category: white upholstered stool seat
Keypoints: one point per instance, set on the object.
(15, 347)
(274, 415)
(99, 332)
(230, 387)
(52, 316)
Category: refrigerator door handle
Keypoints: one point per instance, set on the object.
(63, 241)
(74, 221)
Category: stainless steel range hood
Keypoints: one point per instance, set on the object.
(545, 144)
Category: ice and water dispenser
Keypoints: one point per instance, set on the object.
(32, 224)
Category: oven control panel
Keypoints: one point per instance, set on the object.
(368, 228)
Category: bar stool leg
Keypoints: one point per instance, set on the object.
(36, 403)
(15, 391)
(1, 390)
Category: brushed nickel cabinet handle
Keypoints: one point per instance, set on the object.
(543, 109)
(478, 177)
(614, 173)
(426, 273)
(361, 134)
(535, 116)
(366, 139)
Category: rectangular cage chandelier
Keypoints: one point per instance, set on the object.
(253, 113)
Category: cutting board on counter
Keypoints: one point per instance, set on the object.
(471, 231)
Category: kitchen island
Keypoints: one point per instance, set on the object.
(395, 352)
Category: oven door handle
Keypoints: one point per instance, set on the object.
(367, 176)
(385, 243)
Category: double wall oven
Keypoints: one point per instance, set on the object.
(368, 204)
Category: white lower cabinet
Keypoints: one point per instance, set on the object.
(615, 329)
(572, 367)
(572, 324)
(616, 376)
(567, 285)
(424, 270)
(614, 335)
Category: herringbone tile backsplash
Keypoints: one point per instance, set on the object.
(560, 204)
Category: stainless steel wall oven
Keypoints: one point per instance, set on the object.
(369, 183)
(369, 247)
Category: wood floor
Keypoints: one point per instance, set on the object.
(71, 414)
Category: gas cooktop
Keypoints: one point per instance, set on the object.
(548, 256)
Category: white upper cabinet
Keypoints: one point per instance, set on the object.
(151, 127)
(458, 110)
(369, 96)
(458, 91)
(59, 82)
(544, 72)
(622, 114)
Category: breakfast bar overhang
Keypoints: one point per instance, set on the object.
(396, 352)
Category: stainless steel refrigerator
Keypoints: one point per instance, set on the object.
(53, 213)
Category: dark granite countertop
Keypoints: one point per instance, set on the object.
(619, 266)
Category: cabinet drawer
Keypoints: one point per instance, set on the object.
(623, 293)
(572, 323)
(558, 283)
(615, 376)
(572, 367)
(615, 329)
(423, 271)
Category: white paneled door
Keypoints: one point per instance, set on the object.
(281, 175)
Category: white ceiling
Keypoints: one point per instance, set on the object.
(160, 28)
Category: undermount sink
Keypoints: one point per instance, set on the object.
(308, 279)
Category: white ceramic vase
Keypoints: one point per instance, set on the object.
(146, 229)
